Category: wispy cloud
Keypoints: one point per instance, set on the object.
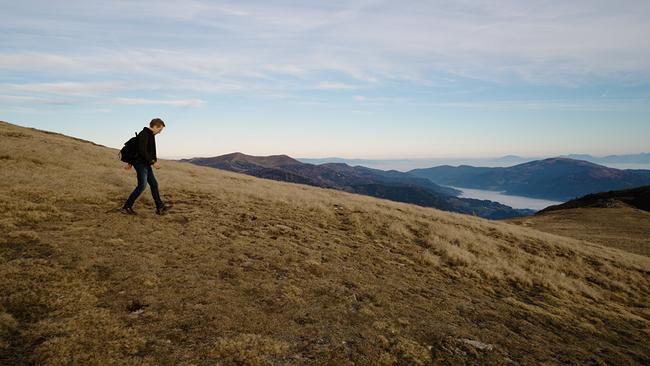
(327, 85)
(137, 52)
(369, 41)
(22, 99)
(67, 87)
(143, 101)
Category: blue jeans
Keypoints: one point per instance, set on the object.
(145, 175)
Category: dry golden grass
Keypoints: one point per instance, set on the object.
(248, 271)
(624, 227)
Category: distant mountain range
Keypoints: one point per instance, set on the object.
(558, 179)
(415, 163)
(642, 158)
(625, 161)
(392, 184)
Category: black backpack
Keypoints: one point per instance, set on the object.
(129, 152)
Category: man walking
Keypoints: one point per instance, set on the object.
(146, 158)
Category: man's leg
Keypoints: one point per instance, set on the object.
(141, 171)
(153, 183)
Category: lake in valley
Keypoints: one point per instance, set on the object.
(512, 201)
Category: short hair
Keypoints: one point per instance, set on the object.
(156, 122)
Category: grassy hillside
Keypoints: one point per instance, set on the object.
(638, 197)
(621, 227)
(249, 271)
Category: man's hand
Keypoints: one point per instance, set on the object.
(127, 167)
(156, 165)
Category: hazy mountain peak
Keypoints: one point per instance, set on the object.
(264, 161)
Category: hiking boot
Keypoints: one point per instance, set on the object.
(163, 209)
(128, 211)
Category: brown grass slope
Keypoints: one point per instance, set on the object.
(623, 227)
(248, 271)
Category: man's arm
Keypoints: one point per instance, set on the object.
(156, 164)
(155, 155)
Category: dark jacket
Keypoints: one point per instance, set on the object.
(146, 147)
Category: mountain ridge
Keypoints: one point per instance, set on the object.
(391, 184)
(559, 178)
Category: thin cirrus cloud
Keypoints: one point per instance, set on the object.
(21, 99)
(365, 41)
(71, 88)
(80, 93)
(142, 101)
(325, 85)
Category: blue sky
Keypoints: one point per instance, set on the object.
(356, 79)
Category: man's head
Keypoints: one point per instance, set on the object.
(156, 125)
